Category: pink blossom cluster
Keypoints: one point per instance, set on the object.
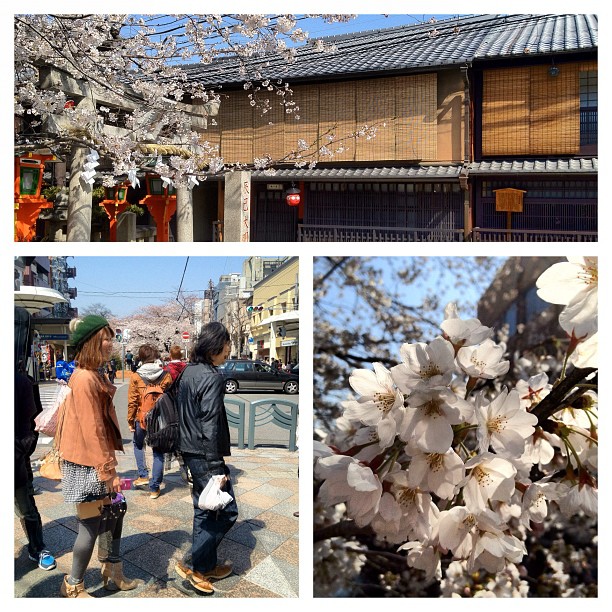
(437, 456)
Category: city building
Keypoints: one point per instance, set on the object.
(274, 320)
(41, 286)
(511, 304)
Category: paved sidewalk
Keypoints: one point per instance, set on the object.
(263, 544)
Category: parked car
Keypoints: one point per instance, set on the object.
(253, 375)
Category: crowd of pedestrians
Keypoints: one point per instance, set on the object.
(88, 437)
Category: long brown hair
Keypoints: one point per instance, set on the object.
(90, 357)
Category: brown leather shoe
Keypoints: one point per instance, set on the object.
(140, 481)
(182, 570)
(221, 571)
(199, 582)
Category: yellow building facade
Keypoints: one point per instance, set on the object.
(275, 315)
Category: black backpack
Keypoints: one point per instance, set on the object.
(162, 421)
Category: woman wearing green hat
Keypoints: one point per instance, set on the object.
(87, 437)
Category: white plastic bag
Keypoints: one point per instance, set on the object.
(213, 497)
(47, 420)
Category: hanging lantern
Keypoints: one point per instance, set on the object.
(292, 196)
(115, 203)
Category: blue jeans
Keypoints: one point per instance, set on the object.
(209, 527)
(139, 453)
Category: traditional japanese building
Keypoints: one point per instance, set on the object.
(464, 110)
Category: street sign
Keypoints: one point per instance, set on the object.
(185, 335)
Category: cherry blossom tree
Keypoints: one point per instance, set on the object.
(161, 325)
(118, 86)
(450, 475)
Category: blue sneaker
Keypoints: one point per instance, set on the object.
(45, 560)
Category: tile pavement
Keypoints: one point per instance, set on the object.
(263, 544)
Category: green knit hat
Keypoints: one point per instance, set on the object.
(87, 327)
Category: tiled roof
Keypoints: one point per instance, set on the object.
(346, 174)
(548, 166)
(456, 41)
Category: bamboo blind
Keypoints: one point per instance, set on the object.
(505, 111)
(268, 132)
(555, 111)
(407, 105)
(376, 110)
(307, 127)
(237, 129)
(337, 115)
(416, 110)
(526, 111)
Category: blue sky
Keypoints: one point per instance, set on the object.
(441, 282)
(315, 27)
(125, 284)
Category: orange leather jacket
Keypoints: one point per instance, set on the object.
(135, 391)
(88, 431)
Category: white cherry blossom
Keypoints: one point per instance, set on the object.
(574, 284)
(484, 361)
(503, 423)
(439, 473)
(379, 404)
(462, 332)
(346, 480)
(581, 497)
(425, 366)
(423, 557)
(586, 353)
(534, 390)
(418, 512)
(429, 419)
(493, 550)
(490, 478)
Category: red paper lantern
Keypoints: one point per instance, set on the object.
(292, 196)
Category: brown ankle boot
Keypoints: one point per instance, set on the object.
(114, 580)
(73, 590)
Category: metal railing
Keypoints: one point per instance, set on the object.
(331, 233)
(515, 235)
(265, 411)
(236, 420)
(344, 233)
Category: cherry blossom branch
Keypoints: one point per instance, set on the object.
(342, 529)
(558, 397)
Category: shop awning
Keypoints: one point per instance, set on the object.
(293, 315)
(34, 299)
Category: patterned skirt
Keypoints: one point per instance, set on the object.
(80, 483)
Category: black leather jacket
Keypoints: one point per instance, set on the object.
(203, 426)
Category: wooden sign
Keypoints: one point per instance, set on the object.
(509, 200)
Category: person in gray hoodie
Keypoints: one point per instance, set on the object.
(150, 373)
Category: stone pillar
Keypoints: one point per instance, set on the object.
(79, 199)
(126, 227)
(184, 214)
(237, 207)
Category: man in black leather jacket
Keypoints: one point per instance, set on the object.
(204, 442)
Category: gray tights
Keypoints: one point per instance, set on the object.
(107, 530)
